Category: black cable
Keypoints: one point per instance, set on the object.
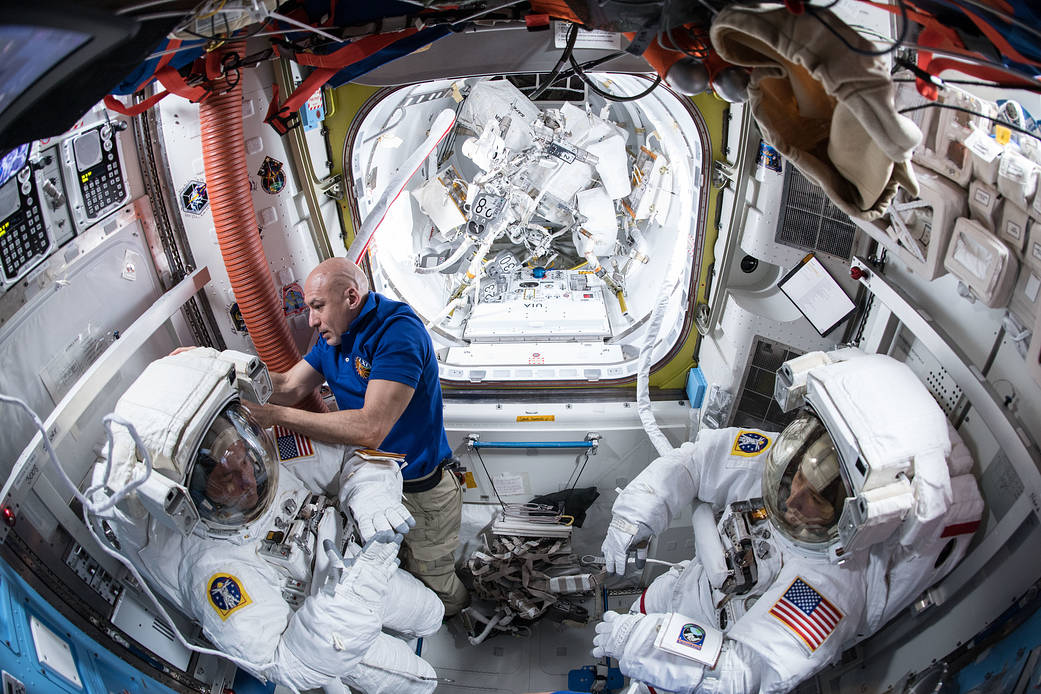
(860, 51)
(488, 475)
(978, 83)
(993, 119)
(565, 56)
(608, 95)
(588, 65)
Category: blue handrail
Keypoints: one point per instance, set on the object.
(532, 444)
(592, 442)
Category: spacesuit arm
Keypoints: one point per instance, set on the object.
(739, 668)
(371, 491)
(661, 490)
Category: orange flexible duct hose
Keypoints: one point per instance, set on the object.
(231, 202)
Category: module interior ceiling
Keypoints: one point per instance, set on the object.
(538, 240)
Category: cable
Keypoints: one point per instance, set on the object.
(489, 476)
(906, 24)
(88, 506)
(143, 6)
(565, 56)
(978, 83)
(474, 16)
(53, 458)
(608, 95)
(993, 119)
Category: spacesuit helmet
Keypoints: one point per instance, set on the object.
(803, 488)
(234, 474)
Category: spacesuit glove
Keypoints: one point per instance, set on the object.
(368, 574)
(612, 633)
(623, 537)
(630, 638)
(380, 514)
(371, 492)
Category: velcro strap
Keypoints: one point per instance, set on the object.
(624, 526)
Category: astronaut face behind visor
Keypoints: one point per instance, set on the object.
(234, 475)
(802, 488)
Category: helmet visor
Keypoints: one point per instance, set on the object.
(803, 489)
(235, 472)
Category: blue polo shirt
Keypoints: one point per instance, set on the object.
(387, 341)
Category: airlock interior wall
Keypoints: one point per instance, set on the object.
(282, 216)
(521, 474)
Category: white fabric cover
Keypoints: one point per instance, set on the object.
(488, 100)
(1017, 178)
(827, 110)
(601, 222)
(165, 400)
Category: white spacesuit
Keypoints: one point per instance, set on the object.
(248, 535)
(806, 541)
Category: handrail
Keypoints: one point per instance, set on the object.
(29, 466)
(592, 441)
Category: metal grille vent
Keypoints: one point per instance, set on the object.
(756, 407)
(810, 221)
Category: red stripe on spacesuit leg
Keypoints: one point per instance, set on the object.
(643, 610)
(960, 529)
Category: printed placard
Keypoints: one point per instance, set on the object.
(690, 638)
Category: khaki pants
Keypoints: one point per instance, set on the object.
(428, 550)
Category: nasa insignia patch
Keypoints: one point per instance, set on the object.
(363, 367)
(226, 594)
(749, 443)
(691, 636)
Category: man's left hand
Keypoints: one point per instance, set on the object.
(265, 415)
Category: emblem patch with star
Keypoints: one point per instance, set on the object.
(363, 367)
(749, 443)
(226, 594)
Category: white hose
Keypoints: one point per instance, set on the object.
(443, 313)
(456, 255)
(477, 640)
(441, 126)
(53, 458)
(643, 395)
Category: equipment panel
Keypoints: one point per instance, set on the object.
(94, 164)
(23, 233)
(34, 216)
(544, 304)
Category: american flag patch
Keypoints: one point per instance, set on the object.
(805, 612)
(292, 445)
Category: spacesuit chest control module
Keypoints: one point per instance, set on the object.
(282, 548)
(806, 541)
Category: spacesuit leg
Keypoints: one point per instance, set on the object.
(415, 610)
(683, 588)
(391, 667)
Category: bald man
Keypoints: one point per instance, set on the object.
(379, 362)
